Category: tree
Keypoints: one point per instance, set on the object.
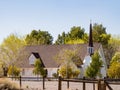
(38, 37)
(10, 50)
(69, 70)
(114, 70)
(13, 71)
(61, 39)
(39, 69)
(116, 57)
(71, 60)
(75, 34)
(94, 69)
(112, 47)
(100, 35)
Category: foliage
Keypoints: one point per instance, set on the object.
(77, 41)
(69, 71)
(116, 57)
(114, 70)
(75, 34)
(13, 71)
(69, 55)
(61, 39)
(39, 69)
(10, 49)
(55, 75)
(112, 47)
(100, 35)
(38, 37)
(94, 69)
(69, 61)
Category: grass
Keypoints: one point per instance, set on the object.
(7, 84)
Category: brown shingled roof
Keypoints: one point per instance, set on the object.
(48, 52)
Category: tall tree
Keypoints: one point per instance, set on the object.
(100, 35)
(10, 50)
(39, 69)
(75, 34)
(61, 39)
(38, 37)
(94, 69)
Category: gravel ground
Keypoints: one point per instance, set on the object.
(53, 85)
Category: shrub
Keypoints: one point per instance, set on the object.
(5, 84)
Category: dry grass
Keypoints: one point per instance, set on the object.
(7, 84)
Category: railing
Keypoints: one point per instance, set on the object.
(102, 84)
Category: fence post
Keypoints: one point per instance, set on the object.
(43, 82)
(99, 84)
(59, 83)
(84, 83)
(20, 82)
(68, 84)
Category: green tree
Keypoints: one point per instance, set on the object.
(38, 37)
(39, 69)
(94, 69)
(75, 34)
(100, 35)
(10, 50)
(61, 39)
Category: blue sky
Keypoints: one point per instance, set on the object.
(56, 16)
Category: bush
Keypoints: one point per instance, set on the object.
(5, 84)
(55, 75)
(114, 70)
(13, 71)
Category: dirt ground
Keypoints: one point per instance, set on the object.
(53, 85)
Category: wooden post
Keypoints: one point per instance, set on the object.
(59, 83)
(99, 84)
(43, 82)
(20, 82)
(93, 86)
(68, 84)
(84, 84)
(103, 85)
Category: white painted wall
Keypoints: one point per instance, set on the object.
(51, 71)
(104, 68)
(28, 72)
(87, 61)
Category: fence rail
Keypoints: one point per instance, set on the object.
(102, 84)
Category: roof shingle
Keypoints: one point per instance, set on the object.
(48, 52)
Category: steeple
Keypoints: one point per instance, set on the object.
(90, 45)
(90, 36)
